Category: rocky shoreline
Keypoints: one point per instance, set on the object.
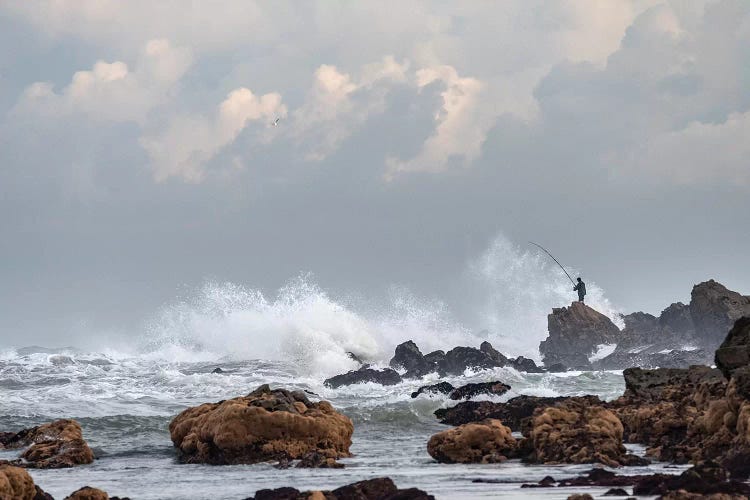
(683, 411)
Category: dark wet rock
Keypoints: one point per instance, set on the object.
(381, 488)
(734, 352)
(616, 492)
(525, 365)
(512, 413)
(575, 333)
(217, 370)
(386, 376)
(706, 478)
(88, 493)
(459, 359)
(55, 445)
(407, 357)
(663, 355)
(483, 442)
(265, 425)
(580, 496)
(714, 310)
(468, 391)
(494, 354)
(677, 321)
(652, 384)
(439, 388)
(434, 356)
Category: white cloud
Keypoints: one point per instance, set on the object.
(338, 104)
(189, 142)
(111, 91)
(461, 123)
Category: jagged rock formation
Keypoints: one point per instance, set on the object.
(488, 441)
(55, 445)
(575, 332)
(265, 425)
(734, 352)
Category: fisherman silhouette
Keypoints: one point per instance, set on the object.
(581, 288)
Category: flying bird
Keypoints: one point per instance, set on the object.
(276, 122)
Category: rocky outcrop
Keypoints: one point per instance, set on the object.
(484, 442)
(385, 376)
(512, 413)
(408, 357)
(468, 391)
(265, 425)
(459, 359)
(58, 444)
(16, 483)
(734, 352)
(714, 309)
(575, 432)
(381, 488)
(575, 333)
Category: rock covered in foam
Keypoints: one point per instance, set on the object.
(484, 442)
(265, 425)
(55, 445)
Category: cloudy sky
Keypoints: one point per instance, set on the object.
(137, 156)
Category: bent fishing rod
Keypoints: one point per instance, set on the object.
(553, 258)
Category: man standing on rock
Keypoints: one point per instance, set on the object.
(581, 288)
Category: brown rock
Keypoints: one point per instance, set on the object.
(88, 493)
(55, 445)
(574, 432)
(580, 496)
(574, 334)
(488, 441)
(381, 488)
(265, 425)
(16, 483)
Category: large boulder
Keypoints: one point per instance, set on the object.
(459, 359)
(468, 391)
(380, 488)
(88, 493)
(575, 432)
(575, 333)
(484, 442)
(407, 357)
(714, 309)
(734, 352)
(263, 426)
(386, 376)
(55, 445)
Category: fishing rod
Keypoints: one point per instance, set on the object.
(553, 258)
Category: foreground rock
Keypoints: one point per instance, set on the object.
(265, 425)
(575, 333)
(15, 482)
(512, 413)
(385, 376)
(576, 432)
(484, 442)
(58, 444)
(734, 352)
(88, 493)
(381, 488)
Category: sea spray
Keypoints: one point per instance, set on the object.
(510, 292)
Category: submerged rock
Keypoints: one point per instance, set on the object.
(55, 445)
(484, 442)
(386, 376)
(265, 425)
(381, 488)
(575, 333)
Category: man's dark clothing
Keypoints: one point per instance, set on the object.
(581, 288)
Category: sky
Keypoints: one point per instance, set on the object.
(138, 158)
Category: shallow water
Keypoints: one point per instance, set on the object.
(125, 403)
